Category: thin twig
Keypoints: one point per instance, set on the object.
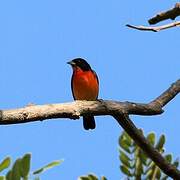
(155, 28)
(168, 95)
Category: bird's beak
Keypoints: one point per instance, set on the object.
(71, 63)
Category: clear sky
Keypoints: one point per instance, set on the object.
(37, 38)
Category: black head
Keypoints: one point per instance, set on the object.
(81, 63)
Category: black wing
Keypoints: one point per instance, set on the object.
(72, 86)
(97, 80)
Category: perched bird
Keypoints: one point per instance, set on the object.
(84, 86)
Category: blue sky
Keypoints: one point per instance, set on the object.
(37, 38)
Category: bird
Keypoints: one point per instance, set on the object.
(84, 86)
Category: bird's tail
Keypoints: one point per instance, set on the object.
(89, 122)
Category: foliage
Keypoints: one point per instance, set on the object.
(91, 177)
(134, 162)
(21, 168)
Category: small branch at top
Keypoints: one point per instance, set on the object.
(170, 14)
(155, 28)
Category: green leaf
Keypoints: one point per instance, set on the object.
(48, 166)
(25, 165)
(151, 138)
(151, 166)
(138, 167)
(160, 143)
(2, 178)
(128, 143)
(150, 163)
(136, 152)
(168, 158)
(125, 170)
(89, 177)
(5, 163)
(143, 157)
(103, 178)
(92, 177)
(158, 175)
(124, 146)
(9, 175)
(83, 178)
(125, 159)
(16, 170)
(134, 148)
(149, 173)
(127, 139)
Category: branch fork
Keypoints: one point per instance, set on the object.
(119, 110)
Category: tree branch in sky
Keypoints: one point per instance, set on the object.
(155, 28)
(170, 14)
(119, 110)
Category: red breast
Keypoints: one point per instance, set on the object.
(84, 84)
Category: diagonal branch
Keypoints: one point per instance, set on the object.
(155, 28)
(168, 95)
(119, 110)
(170, 14)
(151, 152)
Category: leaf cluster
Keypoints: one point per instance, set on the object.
(21, 168)
(91, 177)
(134, 162)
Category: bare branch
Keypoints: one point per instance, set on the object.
(78, 108)
(170, 14)
(74, 110)
(135, 134)
(168, 95)
(155, 28)
(119, 110)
